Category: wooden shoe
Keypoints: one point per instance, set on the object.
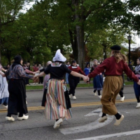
(57, 123)
(24, 117)
(74, 97)
(122, 98)
(138, 105)
(118, 122)
(103, 119)
(10, 119)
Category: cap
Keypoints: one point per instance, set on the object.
(115, 47)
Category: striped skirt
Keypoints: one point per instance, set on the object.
(56, 104)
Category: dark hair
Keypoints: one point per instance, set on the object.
(17, 60)
(87, 64)
(73, 61)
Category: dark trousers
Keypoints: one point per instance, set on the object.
(137, 91)
(40, 80)
(73, 82)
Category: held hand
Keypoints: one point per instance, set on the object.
(86, 78)
(138, 82)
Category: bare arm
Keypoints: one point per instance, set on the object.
(41, 74)
(77, 74)
(1, 73)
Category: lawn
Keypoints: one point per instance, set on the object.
(84, 85)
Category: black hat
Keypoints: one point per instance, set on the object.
(73, 61)
(17, 59)
(115, 47)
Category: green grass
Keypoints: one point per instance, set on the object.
(40, 87)
(34, 87)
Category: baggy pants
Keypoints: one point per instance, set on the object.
(111, 88)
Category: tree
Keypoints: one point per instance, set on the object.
(81, 18)
(9, 11)
(101, 41)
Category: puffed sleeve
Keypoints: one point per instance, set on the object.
(66, 69)
(21, 72)
(47, 70)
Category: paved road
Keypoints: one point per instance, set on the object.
(83, 126)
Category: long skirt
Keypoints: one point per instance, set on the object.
(17, 98)
(112, 87)
(98, 82)
(4, 93)
(56, 103)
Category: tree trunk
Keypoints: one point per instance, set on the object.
(79, 37)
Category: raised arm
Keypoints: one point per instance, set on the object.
(130, 73)
(99, 69)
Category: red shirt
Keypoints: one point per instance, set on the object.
(76, 69)
(35, 69)
(112, 68)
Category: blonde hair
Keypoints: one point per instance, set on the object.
(118, 56)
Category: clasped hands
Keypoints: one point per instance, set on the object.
(86, 78)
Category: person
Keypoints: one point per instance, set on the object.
(113, 67)
(67, 75)
(97, 80)
(16, 87)
(45, 83)
(41, 77)
(87, 69)
(136, 86)
(4, 93)
(28, 65)
(56, 107)
(73, 81)
(35, 70)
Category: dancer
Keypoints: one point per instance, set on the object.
(45, 83)
(56, 107)
(4, 94)
(73, 81)
(17, 99)
(114, 67)
(87, 69)
(97, 80)
(136, 86)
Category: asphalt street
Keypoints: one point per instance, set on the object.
(83, 125)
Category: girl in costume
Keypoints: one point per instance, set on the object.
(56, 108)
(17, 99)
(113, 67)
(97, 80)
(73, 81)
(136, 86)
(4, 93)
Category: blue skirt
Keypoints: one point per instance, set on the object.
(98, 82)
